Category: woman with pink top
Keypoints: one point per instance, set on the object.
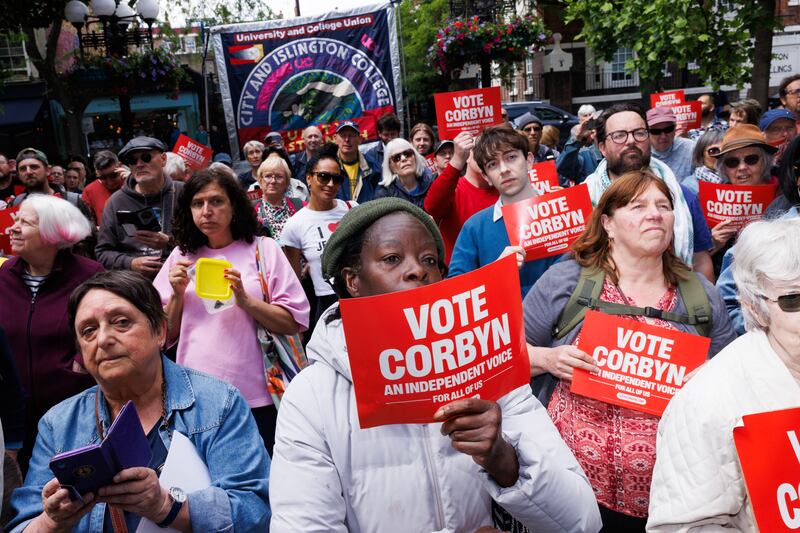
(219, 337)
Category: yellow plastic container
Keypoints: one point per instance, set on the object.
(209, 279)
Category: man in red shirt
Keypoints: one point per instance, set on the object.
(110, 176)
(451, 200)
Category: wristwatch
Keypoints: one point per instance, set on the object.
(177, 496)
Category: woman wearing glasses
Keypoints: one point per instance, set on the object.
(307, 232)
(696, 457)
(704, 160)
(405, 174)
(744, 158)
(274, 208)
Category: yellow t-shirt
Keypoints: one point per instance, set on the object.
(352, 173)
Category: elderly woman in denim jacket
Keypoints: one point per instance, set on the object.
(120, 328)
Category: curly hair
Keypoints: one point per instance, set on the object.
(244, 225)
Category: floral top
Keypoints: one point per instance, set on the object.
(615, 446)
(274, 218)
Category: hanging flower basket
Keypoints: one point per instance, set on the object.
(150, 71)
(463, 41)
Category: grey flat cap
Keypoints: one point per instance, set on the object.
(141, 143)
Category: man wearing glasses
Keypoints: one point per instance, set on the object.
(789, 92)
(531, 126)
(675, 151)
(110, 176)
(136, 226)
(624, 141)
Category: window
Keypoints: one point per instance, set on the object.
(618, 73)
(188, 44)
(13, 58)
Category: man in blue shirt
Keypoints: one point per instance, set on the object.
(503, 156)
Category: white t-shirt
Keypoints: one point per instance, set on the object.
(308, 230)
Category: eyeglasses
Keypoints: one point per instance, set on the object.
(273, 177)
(326, 177)
(132, 159)
(620, 136)
(406, 153)
(662, 131)
(794, 92)
(713, 150)
(529, 129)
(789, 303)
(749, 160)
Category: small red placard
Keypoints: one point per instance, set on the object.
(641, 366)
(547, 225)
(768, 445)
(6, 221)
(669, 98)
(195, 154)
(740, 204)
(470, 111)
(544, 176)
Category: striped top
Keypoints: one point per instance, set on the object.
(33, 282)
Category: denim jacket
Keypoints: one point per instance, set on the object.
(212, 414)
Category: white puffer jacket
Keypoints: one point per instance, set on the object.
(697, 481)
(329, 475)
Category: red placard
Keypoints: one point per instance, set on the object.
(547, 225)
(768, 445)
(670, 98)
(254, 195)
(195, 154)
(413, 351)
(6, 221)
(688, 115)
(641, 366)
(469, 111)
(430, 162)
(741, 204)
(544, 176)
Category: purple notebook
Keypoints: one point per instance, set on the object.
(87, 469)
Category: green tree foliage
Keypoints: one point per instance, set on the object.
(717, 36)
(421, 20)
(214, 12)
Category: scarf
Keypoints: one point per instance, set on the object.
(683, 234)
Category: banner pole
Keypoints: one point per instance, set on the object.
(406, 108)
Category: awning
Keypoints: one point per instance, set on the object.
(139, 103)
(22, 111)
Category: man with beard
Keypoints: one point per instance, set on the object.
(33, 170)
(624, 141)
(531, 126)
(708, 118)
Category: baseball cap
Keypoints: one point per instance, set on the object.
(660, 115)
(347, 124)
(775, 114)
(442, 144)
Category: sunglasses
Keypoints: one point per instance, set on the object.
(528, 129)
(789, 303)
(749, 160)
(713, 150)
(397, 157)
(662, 131)
(132, 159)
(326, 177)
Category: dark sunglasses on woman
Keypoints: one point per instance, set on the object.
(749, 160)
(398, 156)
(789, 303)
(326, 177)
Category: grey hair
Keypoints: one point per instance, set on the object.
(706, 139)
(586, 109)
(60, 223)
(767, 253)
(765, 172)
(396, 146)
(253, 144)
(174, 163)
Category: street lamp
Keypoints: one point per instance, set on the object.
(121, 25)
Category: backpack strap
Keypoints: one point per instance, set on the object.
(697, 305)
(585, 296)
(590, 284)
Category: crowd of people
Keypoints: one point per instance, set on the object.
(102, 305)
